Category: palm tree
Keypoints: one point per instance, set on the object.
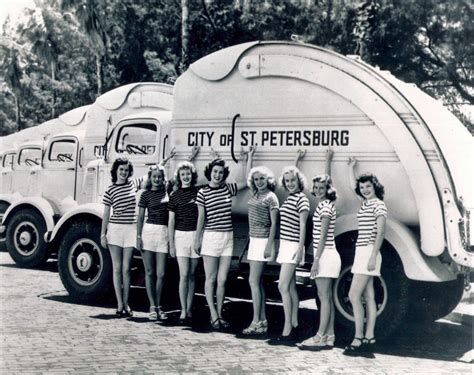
(87, 13)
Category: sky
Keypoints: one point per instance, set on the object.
(14, 8)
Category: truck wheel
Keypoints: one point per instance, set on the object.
(84, 266)
(3, 208)
(433, 301)
(25, 241)
(392, 295)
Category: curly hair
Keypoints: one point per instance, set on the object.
(302, 182)
(378, 187)
(271, 183)
(330, 190)
(116, 164)
(212, 164)
(151, 169)
(181, 166)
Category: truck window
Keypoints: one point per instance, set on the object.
(62, 152)
(8, 160)
(137, 139)
(29, 157)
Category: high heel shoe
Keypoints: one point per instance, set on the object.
(355, 350)
(369, 344)
(316, 341)
(330, 340)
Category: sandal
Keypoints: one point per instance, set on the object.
(369, 344)
(330, 339)
(153, 315)
(317, 341)
(252, 329)
(216, 324)
(223, 323)
(127, 312)
(161, 315)
(263, 326)
(353, 350)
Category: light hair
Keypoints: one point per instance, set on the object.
(302, 182)
(271, 183)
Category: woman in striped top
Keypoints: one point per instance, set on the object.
(214, 203)
(293, 216)
(183, 214)
(327, 262)
(119, 229)
(372, 217)
(152, 236)
(263, 217)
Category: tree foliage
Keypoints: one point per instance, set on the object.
(66, 52)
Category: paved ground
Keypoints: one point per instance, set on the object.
(43, 331)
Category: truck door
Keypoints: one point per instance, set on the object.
(7, 163)
(27, 158)
(58, 177)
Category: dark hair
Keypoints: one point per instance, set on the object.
(378, 187)
(118, 162)
(212, 164)
(152, 168)
(185, 165)
(330, 191)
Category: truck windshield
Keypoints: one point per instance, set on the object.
(139, 138)
(62, 152)
(29, 156)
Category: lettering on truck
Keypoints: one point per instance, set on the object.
(276, 138)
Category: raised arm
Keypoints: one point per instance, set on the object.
(243, 184)
(194, 152)
(171, 155)
(327, 164)
(352, 179)
(299, 155)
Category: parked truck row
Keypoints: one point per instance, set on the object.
(283, 98)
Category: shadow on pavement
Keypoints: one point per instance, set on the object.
(50, 266)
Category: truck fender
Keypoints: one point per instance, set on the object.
(94, 209)
(416, 265)
(10, 198)
(37, 203)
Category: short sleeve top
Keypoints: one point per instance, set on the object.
(324, 209)
(217, 202)
(156, 203)
(122, 199)
(290, 216)
(183, 204)
(367, 216)
(259, 208)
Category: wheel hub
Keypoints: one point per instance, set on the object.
(84, 262)
(25, 238)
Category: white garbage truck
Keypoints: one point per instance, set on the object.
(60, 202)
(284, 97)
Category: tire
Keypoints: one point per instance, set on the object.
(435, 300)
(85, 267)
(392, 294)
(25, 238)
(3, 208)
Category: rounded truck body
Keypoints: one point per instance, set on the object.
(283, 97)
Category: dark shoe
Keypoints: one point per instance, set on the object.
(369, 344)
(353, 350)
(119, 313)
(283, 340)
(216, 324)
(224, 324)
(127, 312)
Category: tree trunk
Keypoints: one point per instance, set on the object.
(17, 112)
(98, 64)
(184, 35)
(53, 101)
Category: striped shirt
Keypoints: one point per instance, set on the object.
(260, 207)
(122, 199)
(290, 216)
(183, 204)
(217, 203)
(156, 203)
(327, 209)
(367, 218)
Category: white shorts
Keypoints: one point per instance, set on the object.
(361, 260)
(217, 244)
(257, 248)
(286, 252)
(183, 242)
(155, 238)
(329, 264)
(122, 235)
